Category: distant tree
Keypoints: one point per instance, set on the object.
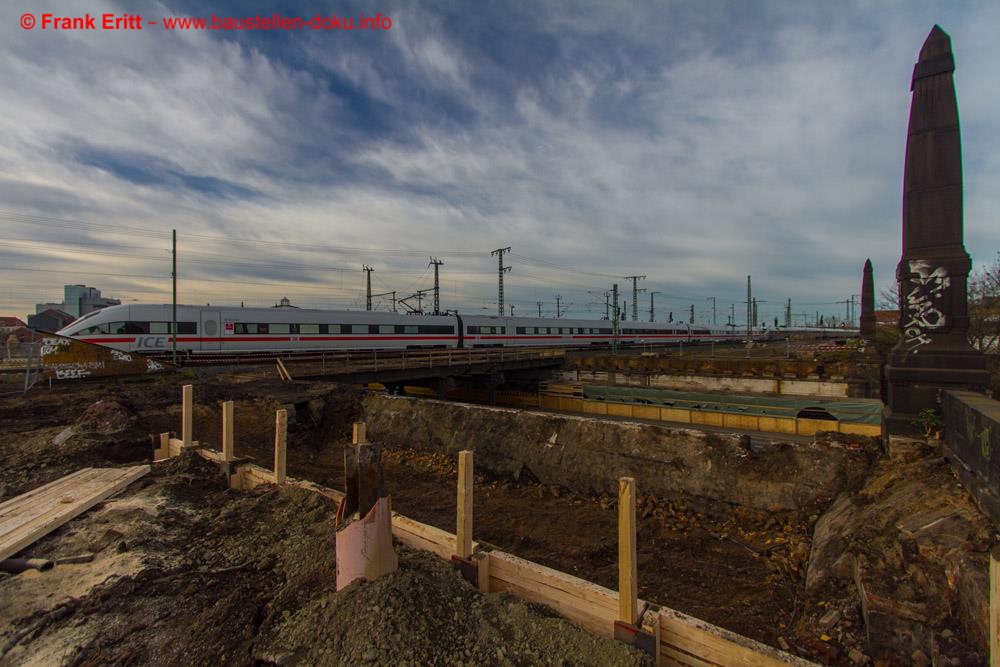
(888, 297)
(984, 307)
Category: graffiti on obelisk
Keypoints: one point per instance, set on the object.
(933, 352)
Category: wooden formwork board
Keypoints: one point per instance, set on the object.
(32, 515)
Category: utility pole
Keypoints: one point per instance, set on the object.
(732, 315)
(436, 263)
(712, 299)
(558, 302)
(749, 314)
(755, 312)
(788, 313)
(635, 294)
(691, 316)
(512, 310)
(614, 324)
(173, 277)
(539, 304)
(499, 252)
(652, 310)
(368, 279)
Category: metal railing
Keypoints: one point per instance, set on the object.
(361, 361)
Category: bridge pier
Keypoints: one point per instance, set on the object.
(444, 384)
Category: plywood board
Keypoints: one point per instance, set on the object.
(29, 517)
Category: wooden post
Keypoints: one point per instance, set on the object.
(995, 606)
(280, 444)
(163, 452)
(359, 433)
(628, 591)
(227, 431)
(463, 532)
(187, 414)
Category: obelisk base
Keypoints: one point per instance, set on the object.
(918, 385)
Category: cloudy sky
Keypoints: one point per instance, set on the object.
(693, 142)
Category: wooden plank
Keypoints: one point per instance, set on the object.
(41, 490)
(588, 605)
(995, 606)
(628, 586)
(717, 646)
(228, 432)
(280, 444)
(360, 433)
(19, 512)
(588, 618)
(187, 415)
(27, 534)
(463, 529)
(421, 536)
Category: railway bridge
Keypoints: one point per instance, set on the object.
(441, 369)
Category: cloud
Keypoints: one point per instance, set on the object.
(695, 147)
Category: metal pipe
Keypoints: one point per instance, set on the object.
(18, 565)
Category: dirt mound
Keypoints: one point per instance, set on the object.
(105, 417)
(426, 614)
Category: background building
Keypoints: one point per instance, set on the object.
(78, 300)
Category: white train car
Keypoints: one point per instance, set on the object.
(146, 328)
(208, 329)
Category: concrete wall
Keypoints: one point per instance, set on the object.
(972, 438)
(748, 385)
(707, 471)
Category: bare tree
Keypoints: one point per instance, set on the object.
(984, 307)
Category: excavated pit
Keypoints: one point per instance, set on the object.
(731, 529)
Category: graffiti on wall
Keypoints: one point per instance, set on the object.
(69, 359)
(922, 316)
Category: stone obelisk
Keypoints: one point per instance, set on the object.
(868, 302)
(933, 353)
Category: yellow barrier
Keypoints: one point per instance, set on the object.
(742, 422)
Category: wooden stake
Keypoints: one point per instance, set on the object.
(463, 532)
(359, 433)
(280, 444)
(483, 571)
(628, 591)
(995, 606)
(163, 452)
(187, 414)
(227, 431)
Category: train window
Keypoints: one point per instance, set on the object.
(159, 327)
(358, 328)
(116, 327)
(308, 329)
(436, 329)
(373, 328)
(386, 329)
(472, 330)
(605, 331)
(279, 328)
(137, 327)
(519, 330)
(411, 329)
(96, 329)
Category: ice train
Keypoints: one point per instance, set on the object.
(212, 329)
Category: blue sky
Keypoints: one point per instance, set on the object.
(693, 142)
